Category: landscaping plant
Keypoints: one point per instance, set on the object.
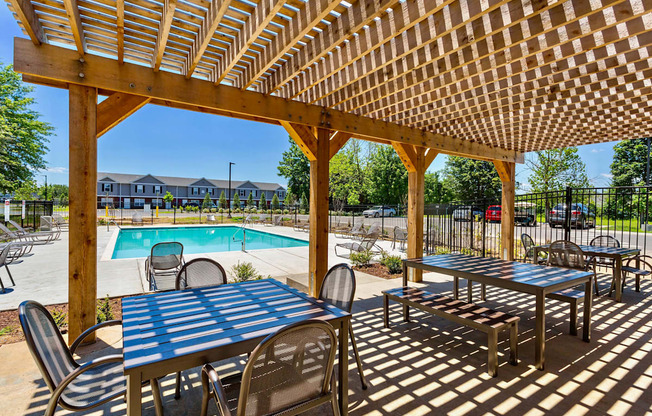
(245, 271)
(361, 259)
(393, 263)
(104, 312)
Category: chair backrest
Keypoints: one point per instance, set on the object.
(528, 245)
(4, 254)
(58, 218)
(338, 287)
(290, 367)
(136, 217)
(17, 226)
(167, 255)
(369, 241)
(45, 342)
(563, 253)
(199, 273)
(277, 220)
(357, 226)
(375, 228)
(604, 241)
(7, 231)
(399, 233)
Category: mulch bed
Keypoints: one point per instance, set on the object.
(10, 330)
(378, 270)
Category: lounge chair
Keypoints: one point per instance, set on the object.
(165, 259)
(289, 372)
(28, 239)
(47, 236)
(51, 225)
(58, 219)
(200, 272)
(356, 229)
(400, 236)
(74, 386)
(299, 226)
(137, 219)
(373, 229)
(261, 219)
(4, 256)
(368, 243)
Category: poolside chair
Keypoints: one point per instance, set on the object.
(58, 219)
(278, 221)
(166, 259)
(640, 266)
(27, 240)
(338, 289)
(137, 219)
(50, 225)
(373, 229)
(528, 247)
(38, 237)
(261, 219)
(74, 386)
(355, 229)
(4, 261)
(289, 372)
(368, 243)
(200, 272)
(400, 236)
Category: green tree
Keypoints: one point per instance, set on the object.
(23, 136)
(263, 201)
(236, 201)
(222, 201)
(346, 176)
(436, 190)
(555, 169)
(386, 178)
(207, 203)
(471, 179)
(168, 197)
(629, 164)
(304, 202)
(276, 204)
(289, 199)
(250, 200)
(56, 192)
(295, 167)
(27, 191)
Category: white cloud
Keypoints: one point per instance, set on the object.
(607, 175)
(56, 169)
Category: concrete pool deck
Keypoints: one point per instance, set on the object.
(43, 276)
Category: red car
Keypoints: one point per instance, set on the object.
(493, 213)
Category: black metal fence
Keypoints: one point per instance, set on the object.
(574, 214)
(27, 213)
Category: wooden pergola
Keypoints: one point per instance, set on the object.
(484, 79)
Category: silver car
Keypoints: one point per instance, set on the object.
(379, 211)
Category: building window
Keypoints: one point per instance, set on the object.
(139, 202)
(242, 192)
(107, 187)
(195, 191)
(255, 194)
(140, 189)
(203, 191)
(281, 194)
(157, 189)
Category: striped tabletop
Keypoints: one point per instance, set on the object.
(600, 250)
(166, 326)
(524, 277)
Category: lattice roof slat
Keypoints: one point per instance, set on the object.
(521, 75)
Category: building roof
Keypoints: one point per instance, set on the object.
(178, 181)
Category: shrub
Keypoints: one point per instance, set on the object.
(60, 318)
(394, 264)
(245, 271)
(104, 312)
(362, 258)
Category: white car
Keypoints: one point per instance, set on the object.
(379, 211)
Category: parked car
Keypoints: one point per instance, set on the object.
(525, 213)
(467, 213)
(493, 213)
(379, 211)
(581, 216)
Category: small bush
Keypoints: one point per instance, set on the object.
(104, 312)
(60, 318)
(245, 271)
(394, 264)
(6, 330)
(361, 259)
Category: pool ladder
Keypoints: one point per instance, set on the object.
(242, 228)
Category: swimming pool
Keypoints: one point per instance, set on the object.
(132, 243)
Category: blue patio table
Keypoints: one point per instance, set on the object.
(615, 253)
(173, 331)
(520, 277)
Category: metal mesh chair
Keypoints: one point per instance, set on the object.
(368, 243)
(528, 247)
(289, 372)
(400, 235)
(165, 259)
(4, 261)
(198, 272)
(569, 255)
(639, 266)
(338, 289)
(73, 386)
(605, 241)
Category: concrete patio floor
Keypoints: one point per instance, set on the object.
(430, 366)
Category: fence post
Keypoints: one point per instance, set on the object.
(567, 222)
(174, 215)
(484, 233)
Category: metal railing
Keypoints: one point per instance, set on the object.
(26, 213)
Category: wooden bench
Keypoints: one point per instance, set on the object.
(478, 317)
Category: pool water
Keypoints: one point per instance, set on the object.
(134, 243)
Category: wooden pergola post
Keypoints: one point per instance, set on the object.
(416, 161)
(507, 173)
(82, 246)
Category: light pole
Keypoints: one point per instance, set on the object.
(46, 183)
(230, 164)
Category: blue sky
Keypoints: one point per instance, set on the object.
(165, 141)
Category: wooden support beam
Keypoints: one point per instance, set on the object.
(120, 22)
(430, 157)
(117, 107)
(82, 246)
(507, 173)
(318, 246)
(214, 15)
(29, 19)
(304, 137)
(72, 10)
(60, 64)
(416, 204)
(337, 142)
(265, 11)
(163, 32)
(407, 154)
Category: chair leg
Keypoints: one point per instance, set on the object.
(484, 292)
(2, 285)
(573, 318)
(357, 358)
(492, 359)
(205, 394)
(177, 389)
(10, 276)
(513, 344)
(595, 283)
(334, 404)
(156, 395)
(638, 283)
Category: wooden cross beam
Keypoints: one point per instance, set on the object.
(117, 107)
(163, 32)
(29, 19)
(214, 15)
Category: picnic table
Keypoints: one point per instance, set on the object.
(173, 331)
(512, 275)
(615, 253)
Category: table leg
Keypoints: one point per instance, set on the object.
(588, 303)
(456, 287)
(343, 384)
(134, 395)
(540, 331)
(469, 291)
(406, 318)
(386, 310)
(618, 271)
